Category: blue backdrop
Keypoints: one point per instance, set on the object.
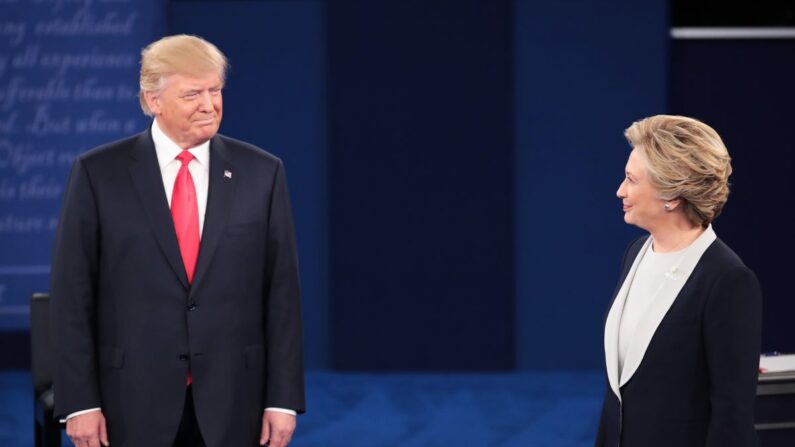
(421, 223)
(67, 83)
(452, 165)
(585, 71)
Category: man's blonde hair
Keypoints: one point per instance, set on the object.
(686, 160)
(182, 53)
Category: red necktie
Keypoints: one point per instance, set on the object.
(185, 212)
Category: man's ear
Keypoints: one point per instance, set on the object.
(153, 101)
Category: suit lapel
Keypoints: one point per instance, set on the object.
(148, 181)
(614, 321)
(672, 283)
(221, 187)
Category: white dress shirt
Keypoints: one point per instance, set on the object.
(199, 168)
(167, 151)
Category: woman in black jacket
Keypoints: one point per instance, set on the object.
(682, 336)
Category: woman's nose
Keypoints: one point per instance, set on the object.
(620, 192)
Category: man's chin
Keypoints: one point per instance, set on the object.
(206, 132)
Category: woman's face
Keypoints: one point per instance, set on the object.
(642, 205)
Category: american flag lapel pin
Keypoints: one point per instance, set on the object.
(227, 174)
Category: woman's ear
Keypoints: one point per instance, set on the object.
(671, 205)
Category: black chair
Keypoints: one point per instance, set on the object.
(47, 428)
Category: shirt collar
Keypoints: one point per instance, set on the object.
(167, 150)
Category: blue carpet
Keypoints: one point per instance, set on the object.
(540, 409)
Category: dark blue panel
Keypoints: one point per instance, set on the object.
(420, 140)
(750, 104)
(275, 98)
(584, 71)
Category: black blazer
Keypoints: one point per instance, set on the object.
(126, 324)
(696, 384)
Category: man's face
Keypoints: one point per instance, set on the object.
(188, 108)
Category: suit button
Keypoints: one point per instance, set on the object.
(192, 306)
(183, 357)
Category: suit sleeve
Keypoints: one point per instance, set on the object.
(733, 326)
(284, 386)
(73, 291)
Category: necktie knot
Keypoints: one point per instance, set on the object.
(185, 157)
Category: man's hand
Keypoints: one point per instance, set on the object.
(88, 430)
(277, 429)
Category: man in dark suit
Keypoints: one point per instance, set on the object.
(176, 310)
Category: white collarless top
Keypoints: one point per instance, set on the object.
(642, 291)
(658, 288)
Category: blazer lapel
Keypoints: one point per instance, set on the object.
(614, 321)
(221, 188)
(148, 181)
(672, 284)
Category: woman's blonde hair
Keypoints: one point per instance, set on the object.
(181, 53)
(686, 160)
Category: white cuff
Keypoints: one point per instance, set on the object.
(78, 413)
(282, 410)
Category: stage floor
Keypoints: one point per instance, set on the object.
(538, 409)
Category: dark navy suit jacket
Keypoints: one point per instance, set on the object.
(127, 326)
(696, 384)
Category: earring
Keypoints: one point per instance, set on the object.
(667, 206)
